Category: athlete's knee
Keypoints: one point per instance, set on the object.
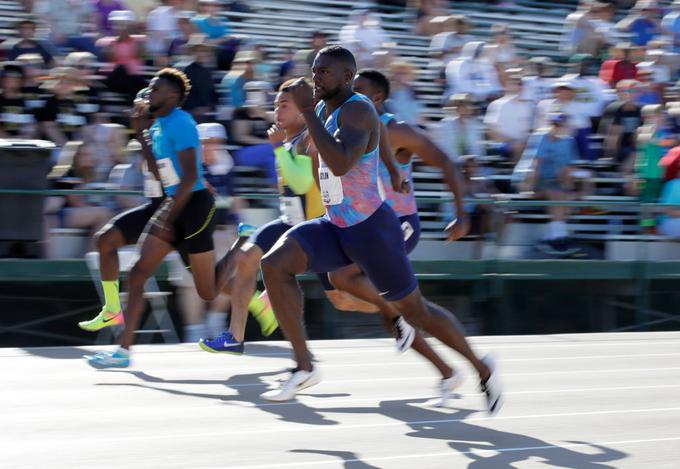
(284, 260)
(339, 279)
(415, 311)
(207, 293)
(107, 239)
(248, 260)
(139, 274)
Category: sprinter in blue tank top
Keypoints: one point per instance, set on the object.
(346, 131)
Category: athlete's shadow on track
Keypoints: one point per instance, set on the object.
(248, 388)
(469, 440)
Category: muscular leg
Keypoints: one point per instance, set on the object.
(352, 280)
(152, 253)
(108, 240)
(279, 268)
(248, 263)
(441, 324)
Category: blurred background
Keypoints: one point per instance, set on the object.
(570, 234)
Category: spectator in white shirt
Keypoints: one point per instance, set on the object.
(162, 27)
(448, 44)
(578, 117)
(537, 84)
(509, 119)
(473, 73)
(363, 35)
(461, 132)
(500, 50)
(592, 94)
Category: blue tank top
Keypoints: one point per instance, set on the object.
(352, 198)
(402, 204)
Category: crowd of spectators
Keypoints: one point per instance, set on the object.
(610, 99)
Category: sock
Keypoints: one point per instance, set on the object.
(256, 304)
(193, 332)
(111, 298)
(215, 322)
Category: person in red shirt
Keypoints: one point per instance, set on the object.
(620, 67)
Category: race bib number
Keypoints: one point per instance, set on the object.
(407, 229)
(291, 210)
(330, 185)
(167, 171)
(152, 187)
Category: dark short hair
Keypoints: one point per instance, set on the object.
(340, 54)
(9, 67)
(177, 79)
(377, 79)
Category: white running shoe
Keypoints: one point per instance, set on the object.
(299, 380)
(403, 333)
(446, 387)
(492, 387)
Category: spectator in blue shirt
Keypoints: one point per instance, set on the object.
(671, 24)
(218, 32)
(642, 23)
(546, 168)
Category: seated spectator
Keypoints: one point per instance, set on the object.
(287, 68)
(264, 69)
(546, 169)
(59, 120)
(426, 10)
(601, 16)
(580, 35)
(16, 117)
(619, 125)
(27, 43)
(249, 129)
(537, 84)
(161, 29)
(403, 101)
(318, 41)
(71, 24)
(103, 8)
(669, 221)
(647, 91)
(363, 35)
(89, 98)
(654, 140)
(123, 54)
(447, 45)
(132, 177)
(670, 24)
(107, 143)
(476, 187)
(76, 170)
(461, 132)
(234, 82)
(578, 116)
(592, 94)
(185, 28)
(642, 22)
(202, 97)
(659, 72)
(620, 67)
(473, 73)
(509, 120)
(33, 67)
(501, 51)
(218, 31)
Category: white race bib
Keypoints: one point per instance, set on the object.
(167, 171)
(331, 185)
(407, 229)
(291, 210)
(152, 187)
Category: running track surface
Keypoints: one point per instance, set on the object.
(575, 401)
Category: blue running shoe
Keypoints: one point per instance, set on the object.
(102, 360)
(223, 343)
(245, 230)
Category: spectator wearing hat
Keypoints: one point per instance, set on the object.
(578, 116)
(670, 25)
(620, 123)
(234, 82)
(447, 44)
(547, 169)
(591, 93)
(643, 23)
(249, 130)
(317, 41)
(59, 120)
(123, 54)
(537, 84)
(27, 43)
(461, 132)
(201, 100)
(620, 67)
(509, 119)
(659, 73)
(16, 117)
(403, 101)
(103, 8)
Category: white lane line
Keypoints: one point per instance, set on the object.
(57, 440)
(452, 453)
(349, 347)
(22, 415)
